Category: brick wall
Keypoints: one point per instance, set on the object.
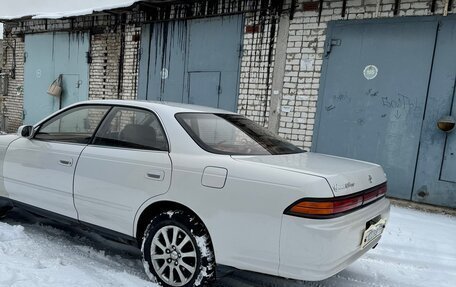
(257, 68)
(106, 43)
(114, 68)
(104, 69)
(129, 87)
(306, 43)
(13, 63)
(1, 53)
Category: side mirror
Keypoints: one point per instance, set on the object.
(25, 131)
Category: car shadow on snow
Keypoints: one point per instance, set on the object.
(78, 235)
(74, 233)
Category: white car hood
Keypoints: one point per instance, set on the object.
(345, 176)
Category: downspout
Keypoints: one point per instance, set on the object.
(121, 56)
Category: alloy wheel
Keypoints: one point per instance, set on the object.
(173, 255)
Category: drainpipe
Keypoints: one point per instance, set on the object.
(123, 23)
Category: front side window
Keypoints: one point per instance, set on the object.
(75, 125)
(132, 128)
(233, 134)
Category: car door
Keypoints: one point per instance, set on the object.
(126, 164)
(39, 171)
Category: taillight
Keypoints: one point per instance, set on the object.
(326, 207)
(373, 195)
(337, 206)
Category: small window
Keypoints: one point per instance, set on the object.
(132, 128)
(76, 125)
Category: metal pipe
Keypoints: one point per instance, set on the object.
(397, 4)
(121, 56)
(320, 10)
(344, 8)
(292, 9)
(433, 5)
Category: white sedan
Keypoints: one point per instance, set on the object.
(194, 186)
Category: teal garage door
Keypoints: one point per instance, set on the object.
(47, 56)
(194, 61)
(385, 85)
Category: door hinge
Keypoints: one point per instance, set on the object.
(331, 43)
(25, 57)
(219, 89)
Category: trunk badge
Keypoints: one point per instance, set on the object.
(338, 187)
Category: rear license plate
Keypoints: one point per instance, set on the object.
(373, 232)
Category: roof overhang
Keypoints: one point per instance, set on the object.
(58, 9)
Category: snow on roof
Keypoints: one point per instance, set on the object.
(55, 9)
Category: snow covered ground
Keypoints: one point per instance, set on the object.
(417, 249)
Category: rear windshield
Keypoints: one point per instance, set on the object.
(233, 134)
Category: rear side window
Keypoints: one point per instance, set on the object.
(233, 134)
(131, 128)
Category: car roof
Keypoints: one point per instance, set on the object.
(160, 106)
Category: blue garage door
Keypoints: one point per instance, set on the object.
(194, 61)
(435, 179)
(47, 56)
(380, 80)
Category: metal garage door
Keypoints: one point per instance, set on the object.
(47, 56)
(435, 180)
(381, 79)
(195, 61)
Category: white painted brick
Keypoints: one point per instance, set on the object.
(419, 5)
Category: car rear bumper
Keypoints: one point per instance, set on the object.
(315, 249)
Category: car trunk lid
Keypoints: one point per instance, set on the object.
(345, 176)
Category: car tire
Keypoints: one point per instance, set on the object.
(177, 251)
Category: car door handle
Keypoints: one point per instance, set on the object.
(156, 175)
(66, 162)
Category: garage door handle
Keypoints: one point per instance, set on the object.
(155, 175)
(446, 124)
(66, 162)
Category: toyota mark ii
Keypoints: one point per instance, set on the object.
(195, 186)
